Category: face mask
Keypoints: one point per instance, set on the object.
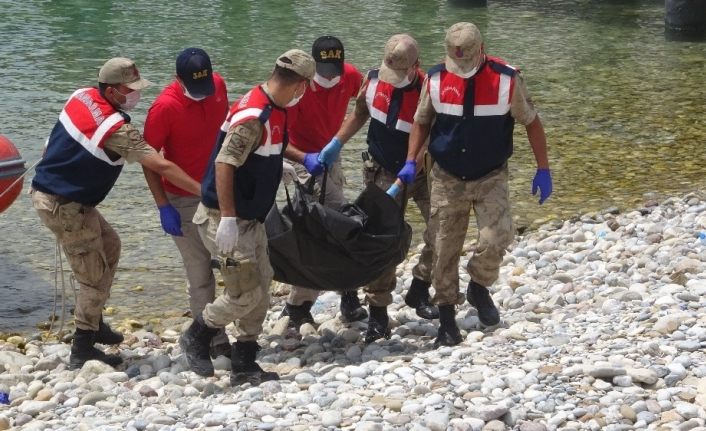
(194, 98)
(131, 100)
(326, 83)
(294, 101)
(475, 69)
(471, 73)
(405, 82)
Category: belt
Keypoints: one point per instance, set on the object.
(61, 200)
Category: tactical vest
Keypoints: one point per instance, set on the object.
(257, 180)
(391, 117)
(472, 134)
(75, 164)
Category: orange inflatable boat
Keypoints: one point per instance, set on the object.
(12, 167)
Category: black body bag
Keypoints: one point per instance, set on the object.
(322, 248)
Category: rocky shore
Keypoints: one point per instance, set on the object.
(603, 329)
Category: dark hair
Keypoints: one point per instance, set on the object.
(286, 76)
(102, 86)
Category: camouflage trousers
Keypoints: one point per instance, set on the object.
(246, 272)
(451, 203)
(92, 248)
(379, 292)
(334, 199)
(200, 281)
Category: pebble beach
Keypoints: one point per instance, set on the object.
(602, 329)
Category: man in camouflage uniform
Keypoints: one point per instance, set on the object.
(239, 188)
(469, 105)
(389, 96)
(85, 154)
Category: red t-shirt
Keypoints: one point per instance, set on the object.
(186, 130)
(318, 116)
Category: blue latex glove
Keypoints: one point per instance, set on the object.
(330, 152)
(171, 220)
(408, 172)
(393, 190)
(543, 182)
(312, 164)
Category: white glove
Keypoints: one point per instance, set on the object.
(289, 175)
(227, 235)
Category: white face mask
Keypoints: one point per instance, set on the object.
(326, 83)
(188, 95)
(405, 82)
(473, 71)
(131, 100)
(294, 101)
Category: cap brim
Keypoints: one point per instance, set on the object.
(459, 66)
(329, 69)
(140, 84)
(202, 88)
(391, 76)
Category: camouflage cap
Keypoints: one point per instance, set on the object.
(463, 48)
(298, 61)
(120, 70)
(401, 54)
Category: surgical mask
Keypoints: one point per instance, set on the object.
(471, 73)
(294, 101)
(194, 98)
(131, 100)
(475, 69)
(326, 83)
(405, 82)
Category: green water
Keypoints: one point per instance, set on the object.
(623, 109)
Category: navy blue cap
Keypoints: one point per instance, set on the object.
(329, 56)
(193, 66)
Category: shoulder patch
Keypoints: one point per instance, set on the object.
(438, 68)
(501, 68)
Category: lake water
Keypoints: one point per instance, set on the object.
(623, 109)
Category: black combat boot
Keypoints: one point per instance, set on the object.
(479, 297)
(105, 335)
(378, 323)
(351, 310)
(82, 350)
(448, 334)
(418, 298)
(195, 343)
(220, 349)
(244, 369)
(298, 314)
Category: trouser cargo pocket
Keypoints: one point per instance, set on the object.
(239, 276)
(81, 240)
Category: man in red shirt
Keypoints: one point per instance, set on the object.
(183, 123)
(313, 124)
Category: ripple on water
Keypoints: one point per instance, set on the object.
(622, 108)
